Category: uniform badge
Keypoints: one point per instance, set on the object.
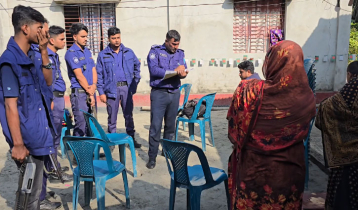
(162, 54)
(82, 58)
(75, 59)
(152, 56)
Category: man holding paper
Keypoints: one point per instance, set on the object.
(167, 66)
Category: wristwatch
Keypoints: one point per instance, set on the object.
(48, 66)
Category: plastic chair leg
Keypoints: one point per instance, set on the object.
(100, 192)
(134, 158)
(184, 126)
(122, 153)
(76, 190)
(88, 192)
(211, 132)
(176, 130)
(63, 133)
(172, 195)
(126, 189)
(307, 163)
(191, 131)
(195, 199)
(202, 132)
(188, 199)
(227, 194)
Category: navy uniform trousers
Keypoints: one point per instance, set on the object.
(164, 103)
(79, 102)
(125, 98)
(58, 112)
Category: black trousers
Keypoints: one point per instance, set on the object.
(163, 105)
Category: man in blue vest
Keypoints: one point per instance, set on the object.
(83, 76)
(165, 94)
(59, 83)
(56, 93)
(247, 71)
(25, 109)
(118, 70)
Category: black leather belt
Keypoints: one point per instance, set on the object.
(58, 94)
(79, 90)
(121, 84)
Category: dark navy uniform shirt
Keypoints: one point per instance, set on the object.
(160, 61)
(78, 59)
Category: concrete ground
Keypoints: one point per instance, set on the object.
(150, 190)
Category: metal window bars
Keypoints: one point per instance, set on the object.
(97, 17)
(252, 23)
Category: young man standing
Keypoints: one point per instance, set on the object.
(118, 70)
(247, 71)
(164, 97)
(24, 107)
(83, 76)
(56, 93)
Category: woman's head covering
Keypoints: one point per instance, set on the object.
(287, 106)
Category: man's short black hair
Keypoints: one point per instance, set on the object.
(247, 65)
(113, 31)
(353, 68)
(55, 30)
(77, 27)
(173, 34)
(22, 15)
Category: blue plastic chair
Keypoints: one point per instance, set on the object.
(186, 88)
(201, 121)
(89, 170)
(194, 178)
(66, 131)
(112, 139)
(311, 74)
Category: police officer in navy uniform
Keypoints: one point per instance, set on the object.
(83, 76)
(56, 93)
(118, 70)
(165, 93)
(25, 109)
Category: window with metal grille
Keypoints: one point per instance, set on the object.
(97, 17)
(253, 21)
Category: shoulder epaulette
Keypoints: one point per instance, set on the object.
(156, 46)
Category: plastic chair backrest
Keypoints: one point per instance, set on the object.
(311, 73)
(186, 88)
(83, 149)
(178, 154)
(95, 129)
(210, 98)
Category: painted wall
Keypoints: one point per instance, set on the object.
(207, 32)
(322, 29)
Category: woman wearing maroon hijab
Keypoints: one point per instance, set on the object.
(268, 121)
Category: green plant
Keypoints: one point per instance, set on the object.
(353, 39)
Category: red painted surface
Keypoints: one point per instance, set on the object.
(221, 99)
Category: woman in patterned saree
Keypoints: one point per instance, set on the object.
(337, 119)
(268, 121)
